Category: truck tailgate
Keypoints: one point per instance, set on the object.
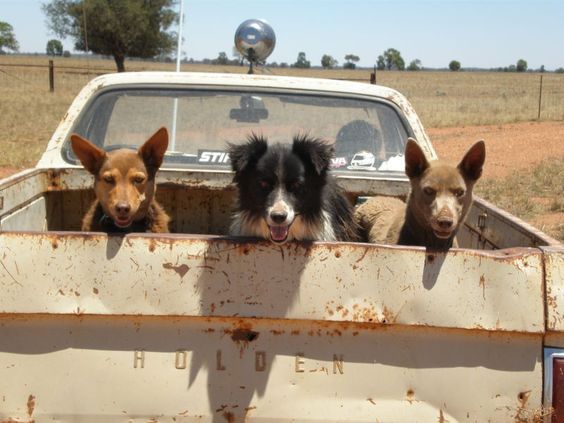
(182, 328)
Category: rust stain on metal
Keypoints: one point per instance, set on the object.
(338, 254)
(250, 408)
(340, 309)
(523, 397)
(244, 335)
(54, 177)
(483, 285)
(553, 305)
(282, 253)
(441, 416)
(229, 416)
(365, 314)
(389, 316)
(30, 405)
(362, 257)
(181, 270)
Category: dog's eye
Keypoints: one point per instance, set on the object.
(459, 192)
(293, 185)
(429, 191)
(109, 179)
(264, 184)
(139, 179)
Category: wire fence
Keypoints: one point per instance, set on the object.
(440, 98)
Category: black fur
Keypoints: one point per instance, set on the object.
(295, 176)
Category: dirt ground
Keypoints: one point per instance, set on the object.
(508, 147)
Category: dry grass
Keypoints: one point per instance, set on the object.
(533, 195)
(455, 99)
(532, 191)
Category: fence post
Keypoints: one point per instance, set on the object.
(51, 76)
(540, 97)
(373, 76)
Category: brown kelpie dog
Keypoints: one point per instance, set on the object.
(124, 184)
(440, 197)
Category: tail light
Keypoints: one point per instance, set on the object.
(554, 383)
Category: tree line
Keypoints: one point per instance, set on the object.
(142, 29)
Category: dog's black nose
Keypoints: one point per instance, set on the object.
(445, 223)
(123, 208)
(278, 216)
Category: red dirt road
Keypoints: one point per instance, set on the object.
(508, 147)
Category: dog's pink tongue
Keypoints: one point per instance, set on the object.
(278, 233)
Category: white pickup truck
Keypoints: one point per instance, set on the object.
(198, 326)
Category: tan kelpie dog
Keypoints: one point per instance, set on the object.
(124, 184)
(440, 197)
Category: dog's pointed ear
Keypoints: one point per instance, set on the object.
(473, 161)
(314, 151)
(89, 155)
(243, 155)
(153, 150)
(415, 161)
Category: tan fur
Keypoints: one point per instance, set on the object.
(380, 219)
(124, 185)
(439, 200)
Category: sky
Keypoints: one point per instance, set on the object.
(477, 33)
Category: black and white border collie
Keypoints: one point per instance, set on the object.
(285, 192)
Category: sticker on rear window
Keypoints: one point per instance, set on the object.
(213, 156)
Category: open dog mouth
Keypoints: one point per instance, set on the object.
(123, 222)
(442, 234)
(279, 234)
